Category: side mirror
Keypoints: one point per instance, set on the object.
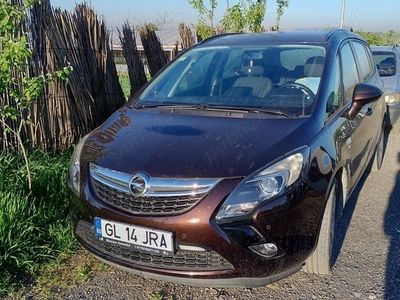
(363, 94)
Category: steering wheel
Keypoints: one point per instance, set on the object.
(305, 89)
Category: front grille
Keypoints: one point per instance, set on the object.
(161, 196)
(200, 261)
(144, 205)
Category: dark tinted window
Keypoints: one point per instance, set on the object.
(333, 102)
(363, 61)
(349, 71)
(385, 62)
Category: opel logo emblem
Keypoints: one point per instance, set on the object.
(139, 184)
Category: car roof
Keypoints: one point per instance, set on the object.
(278, 37)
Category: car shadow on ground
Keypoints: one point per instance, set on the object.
(392, 230)
(344, 223)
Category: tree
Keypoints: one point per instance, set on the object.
(234, 18)
(391, 37)
(15, 80)
(372, 38)
(255, 15)
(245, 15)
(280, 8)
(205, 25)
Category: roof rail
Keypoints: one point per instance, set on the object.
(218, 36)
(332, 31)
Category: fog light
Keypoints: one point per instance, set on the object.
(267, 250)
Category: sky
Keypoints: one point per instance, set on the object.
(367, 15)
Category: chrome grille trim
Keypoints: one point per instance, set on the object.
(158, 187)
(162, 196)
(114, 179)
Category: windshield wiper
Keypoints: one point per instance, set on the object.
(214, 107)
(249, 110)
(170, 105)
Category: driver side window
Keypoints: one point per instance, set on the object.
(333, 102)
(349, 72)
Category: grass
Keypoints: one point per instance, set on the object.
(158, 295)
(125, 84)
(161, 295)
(66, 271)
(35, 226)
(58, 275)
(84, 272)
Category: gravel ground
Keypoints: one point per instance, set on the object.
(367, 266)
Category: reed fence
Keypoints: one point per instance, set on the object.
(186, 35)
(67, 110)
(156, 58)
(137, 76)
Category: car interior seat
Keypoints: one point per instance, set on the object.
(313, 69)
(314, 66)
(260, 86)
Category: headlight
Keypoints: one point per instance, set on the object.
(75, 168)
(392, 98)
(264, 185)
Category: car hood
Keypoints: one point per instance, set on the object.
(167, 144)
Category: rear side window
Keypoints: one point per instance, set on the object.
(385, 62)
(350, 73)
(363, 61)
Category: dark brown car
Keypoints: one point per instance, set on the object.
(232, 166)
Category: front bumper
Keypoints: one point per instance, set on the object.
(393, 112)
(291, 222)
(246, 282)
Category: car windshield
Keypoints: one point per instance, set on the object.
(385, 62)
(277, 78)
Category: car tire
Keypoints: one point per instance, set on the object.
(320, 262)
(379, 151)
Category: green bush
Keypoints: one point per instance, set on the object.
(35, 226)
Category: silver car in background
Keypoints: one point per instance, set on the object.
(387, 60)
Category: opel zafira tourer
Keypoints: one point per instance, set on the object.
(231, 167)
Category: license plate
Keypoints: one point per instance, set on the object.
(141, 238)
